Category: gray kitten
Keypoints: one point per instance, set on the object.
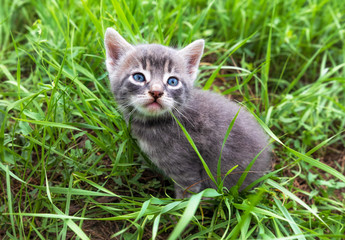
(149, 81)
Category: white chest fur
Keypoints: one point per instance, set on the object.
(148, 149)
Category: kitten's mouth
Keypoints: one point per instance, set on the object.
(153, 107)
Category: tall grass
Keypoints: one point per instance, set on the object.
(70, 169)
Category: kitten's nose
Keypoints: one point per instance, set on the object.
(156, 91)
(156, 94)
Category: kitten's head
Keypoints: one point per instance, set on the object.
(150, 80)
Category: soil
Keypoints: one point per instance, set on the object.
(333, 156)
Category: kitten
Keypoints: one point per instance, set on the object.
(149, 81)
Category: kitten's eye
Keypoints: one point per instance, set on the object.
(139, 77)
(172, 81)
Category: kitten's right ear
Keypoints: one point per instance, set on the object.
(115, 46)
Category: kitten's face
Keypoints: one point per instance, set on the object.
(150, 80)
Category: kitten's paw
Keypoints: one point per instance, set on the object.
(181, 194)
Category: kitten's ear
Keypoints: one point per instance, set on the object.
(193, 53)
(115, 46)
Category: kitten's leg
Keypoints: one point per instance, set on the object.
(181, 193)
(184, 186)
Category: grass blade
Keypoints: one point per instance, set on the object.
(49, 124)
(295, 198)
(10, 202)
(219, 181)
(292, 223)
(188, 214)
(233, 49)
(190, 140)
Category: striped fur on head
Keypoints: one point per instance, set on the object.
(153, 97)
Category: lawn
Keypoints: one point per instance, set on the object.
(69, 168)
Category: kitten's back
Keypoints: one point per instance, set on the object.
(211, 116)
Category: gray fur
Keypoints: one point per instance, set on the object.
(205, 115)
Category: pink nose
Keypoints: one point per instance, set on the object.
(156, 90)
(156, 94)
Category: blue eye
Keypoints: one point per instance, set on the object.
(172, 81)
(139, 77)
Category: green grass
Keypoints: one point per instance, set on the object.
(70, 169)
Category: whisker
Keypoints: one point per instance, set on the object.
(130, 114)
(184, 116)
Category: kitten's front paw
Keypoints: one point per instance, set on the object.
(180, 193)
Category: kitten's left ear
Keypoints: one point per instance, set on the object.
(116, 46)
(193, 53)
